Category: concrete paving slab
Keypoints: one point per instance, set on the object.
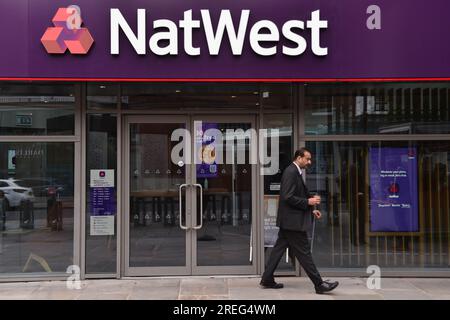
(103, 296)
(396, 284)
(357, 297)
(404, 295)
(162, 293)
(349, 281)
(348, 285)
(157, 283)
(224, 288)
(51, 294)
(261, 294)
(305, 296)
(434, 286)
(348, 290)
(290, 283)
(440, 297)
(16, 295)
(204, 297)
(12, 292)
(243, 282)
(194, 287)
(253, 289)
(4, 288)
(107, 286)
(297, 289)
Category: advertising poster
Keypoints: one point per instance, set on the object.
(393, 190)
(206, 149)
(102, 202)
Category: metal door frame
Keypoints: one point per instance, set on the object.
(191, 267)
(149, 271)
(233, 269)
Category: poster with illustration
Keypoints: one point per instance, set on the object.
(206, 149)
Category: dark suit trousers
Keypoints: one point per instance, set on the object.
(298, 243)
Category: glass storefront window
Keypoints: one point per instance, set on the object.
(102, 96)
(383, 203)
(37, 109)
(101, 153)
(36, 207)
(384, 108)
(276, 96)
(190, 95)
(283, 124)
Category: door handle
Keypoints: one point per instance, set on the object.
(201, 206)
(184, 185)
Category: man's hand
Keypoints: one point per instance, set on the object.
(314, 201)
(317, 214)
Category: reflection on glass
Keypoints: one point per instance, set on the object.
(36, 207)
(377, 108)
(156, 238)
(276, 96)
(102, 96)
(37, 109)
(190, 95)
(410, 182)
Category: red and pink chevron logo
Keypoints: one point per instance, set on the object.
(67, 33)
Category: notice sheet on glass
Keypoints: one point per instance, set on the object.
(102, 202)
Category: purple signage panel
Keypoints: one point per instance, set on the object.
(102, 201)
(393, 190)
(206, 148)
(222, 39)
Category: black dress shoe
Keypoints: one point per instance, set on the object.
(271, 285)
(326, 286)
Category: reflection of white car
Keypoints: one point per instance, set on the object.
(15, 193)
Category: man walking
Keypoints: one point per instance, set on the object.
(295, 215)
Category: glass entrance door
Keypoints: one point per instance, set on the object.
(225, 179)
(157, 240)
(189, 200)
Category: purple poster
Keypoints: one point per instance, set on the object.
(102, 201)
(206, 149)
(393, 190)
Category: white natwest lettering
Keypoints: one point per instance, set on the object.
(164, 40)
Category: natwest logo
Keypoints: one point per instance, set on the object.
(67, 33)
(264, 36)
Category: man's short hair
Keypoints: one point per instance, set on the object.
(300, 153)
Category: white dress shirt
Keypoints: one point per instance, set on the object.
(300, 171)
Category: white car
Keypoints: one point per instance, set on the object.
(14, 193)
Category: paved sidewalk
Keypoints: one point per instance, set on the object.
(227, 288)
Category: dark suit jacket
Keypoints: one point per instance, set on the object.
(294, 213)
